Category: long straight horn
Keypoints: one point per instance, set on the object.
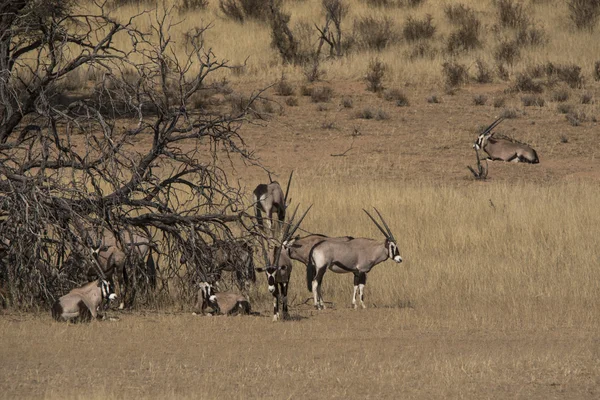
(390, 235)
(270, 179)
(288, 225)
(287, 190)
(264, 253)
(377, 225)
(297, 225)
(492, 126)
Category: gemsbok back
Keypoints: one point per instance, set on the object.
(504, 149)
(357, 256)
(269, 198)
(81, 304)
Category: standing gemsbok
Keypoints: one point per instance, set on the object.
(357, 255)
(278, 269)
(269, 198)
(504, 149)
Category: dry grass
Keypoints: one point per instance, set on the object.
(237, 42)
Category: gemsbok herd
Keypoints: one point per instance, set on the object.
(319, 253)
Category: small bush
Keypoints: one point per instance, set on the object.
(507, 52)
(511, 14)
(422, 50)
(459, 14)
(584, 13)
(564, 139)
(306, 90)
(366, 113)
(433, 99)
(499, 102)
(484, 75)
(502, 72)
(533, 100)
(531, 36)
(415, 29)
(455, 73)
(321, 94)
(374, 33)
(328, 125)
(347, 102)
(586, 98)
(292, 101)
(466, 37)
(192, 5)
(570, 74)
(560, 95)
(396, 95)
(524, 83)
(597, 71)
(479, 99)
(564, 108)
(374, 76)
(381, 115)
(322, 107)
(240, 10)
(576, 118)
(509, 113)
(283, 87)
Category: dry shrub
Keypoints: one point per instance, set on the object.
(466, 36)
(531, 36)
(509, 113)
(507, 52)
(433, 99)
(306, 90)
(560, 95)
(525, 83)
(511, 14)
(502, 72)
(564, 108)
(322, 107)
(484, 75)
(533, 100)
(374, 33)
(415, 29)
(347, 102)
(192, 5)
(374, 76)
(366, 113)
(586, 98)
(459, 14)
(480, 99)
(396, 95)
(291, 101)
(570, 74)
(240, 10)
(283, 87)
(596, 72)
(499, 102)
(576, 118)
(422, 50)
(455, 74)
(584, 13)
(321, 94)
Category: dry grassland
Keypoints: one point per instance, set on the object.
(498, 296)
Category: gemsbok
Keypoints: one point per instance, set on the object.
(278, 269)
(81, 304)
(227, 303)
(114, 261)
(501, 149)
(270, 199)
(358, 256)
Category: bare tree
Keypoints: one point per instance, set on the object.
(129, 155)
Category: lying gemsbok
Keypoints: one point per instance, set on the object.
(504, 149)
(356, 255)
(227, 303)
(81, 304)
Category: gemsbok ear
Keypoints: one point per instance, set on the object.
(283, 268)
(260, 269)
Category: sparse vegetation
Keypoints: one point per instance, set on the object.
(525, 83)
(511, 14)
(584, 13)
(479, 99)
(466, 36)
(564, 108)
(374, 76)
(283, 87)
(507, 52)
(370, 113)
(484, 75)
(433, 99)
(415, 29)
(292, 101)
(560, 95)
(576, 118)
(586, 98)
(374, 33)
(509, 113)
(396, 95)
(499, 102)
(533, 100)
(347, 102)
(321, 94)
(455, 74)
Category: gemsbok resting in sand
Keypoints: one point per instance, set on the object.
(227, 303)
(357, 256)
(81, 304)
(502, 149)
(269, 198)
(278, 269)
